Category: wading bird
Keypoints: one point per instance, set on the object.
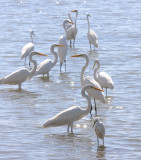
(72, 29)
(72, 114)
(102, 78)
(99, 130)
(45, 66)
(28, 47)
(62, 51)
(89, 80)
(92, 37)
(21, 75)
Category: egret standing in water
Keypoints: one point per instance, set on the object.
(72, 114)
(21, 75)
(102, 78)
(92, 37)
(99, 130)
(45, 66)
(89, 80)
(72, 30)
(29, 47)
(62, 51)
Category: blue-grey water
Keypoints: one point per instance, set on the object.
(22, 113)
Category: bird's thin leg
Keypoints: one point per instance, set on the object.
(19, 85)
(68, 127)
(94, 48)
(90, 46)
(95, 106)
(29, 63)
(97, 141)
(25, 61)
(73, 42)
(72, 128)
(60, 67)
(70, 43)
(91, 110)
(65, 65)
(103, 141)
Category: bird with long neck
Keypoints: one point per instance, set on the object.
(19, 76)
(92, 37)
(72, 114)
(99, 130)
(62, 51)
(29, 47)
(102, 78)
(89, 80)
(45, 66)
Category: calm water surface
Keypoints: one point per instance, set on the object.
(22, 113)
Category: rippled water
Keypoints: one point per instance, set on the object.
(22, 113)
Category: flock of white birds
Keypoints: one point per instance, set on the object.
(92, 88)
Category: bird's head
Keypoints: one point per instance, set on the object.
(75, 10)
(37, 53)
(32, 32)
(95, 120)
(95, 62)
(55, 45)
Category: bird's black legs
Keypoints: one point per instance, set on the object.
(70, 43)
(106, 92)
(65, 65)
(95, 107)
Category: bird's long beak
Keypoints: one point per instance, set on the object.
(60, 45)
(70, 22)
(73, 10)
(93, 66)
(97, 88)
(77, 55)
(41, 54)
(94, 123)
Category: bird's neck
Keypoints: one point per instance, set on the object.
(32, 72)
(95, 73)
(88, 25)
(31, 38)
(87, 110)
(83, 71)
(55, 59)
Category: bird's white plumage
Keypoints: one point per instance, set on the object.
(21, 75)
(99, 130)
(72, 114)
(92, 37)
(45, 66)
(102, 78)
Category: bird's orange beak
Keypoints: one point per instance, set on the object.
(42, 54)
(60, 45)
(97, 89)
(93, 66)
(77, 55)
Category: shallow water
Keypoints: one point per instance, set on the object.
(22, 113)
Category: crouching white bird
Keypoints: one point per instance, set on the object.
(21, 75)
(102, 78)
(72, 114)
(92, 37)
(45, 66)
(99, 130)
(29, 47)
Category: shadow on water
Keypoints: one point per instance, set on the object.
(101, 152)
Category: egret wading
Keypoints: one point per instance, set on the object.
(102, 78)
(89, 80)
(72, 114)
(92, 37)
(21, 75)
(29, 47)
(62, 51)
(45, 66)
(99, 130)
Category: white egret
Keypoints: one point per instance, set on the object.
(72, 30)
(21, 75)
(92, 37)
(28, 47)
(99, 130)
(89, 80)
(45, 66)
(68, 25)
(102, 78)
(62, 51)
(72, 114)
